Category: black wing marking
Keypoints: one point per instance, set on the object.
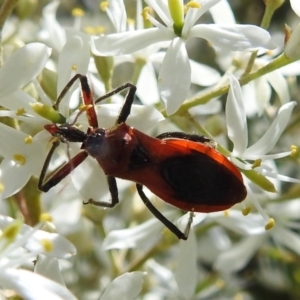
(199, 178)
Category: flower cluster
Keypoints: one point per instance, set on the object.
(196, 70)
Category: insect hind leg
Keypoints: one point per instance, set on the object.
(113, 189)
(171, 226)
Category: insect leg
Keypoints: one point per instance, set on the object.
(172, 227)
(113, 189)
(86, 95)
(185, 136)
(125, 111)
(62, 172)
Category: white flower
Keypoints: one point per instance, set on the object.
(238, 132)
(175, 73)
(20, 245)
(252, 227)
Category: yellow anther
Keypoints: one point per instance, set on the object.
(104, 5)
(100, 29)
(47, 244)
(226, 213)
(78, 12)
(246, 211)
(145, 13)
(45, 217)
(1, 187)
(270, 224)
(257, 163)
(20, 112)
(85, 107)
(294, 150)
(90, 30)
(130, 21)
(74, 67)
(19, 159)
(193, 4)
(28, 140)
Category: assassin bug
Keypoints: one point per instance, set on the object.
(182, 169)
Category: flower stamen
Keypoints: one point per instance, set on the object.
(20, 112)
(270, 224)
(28, 140)
(48, 245)
(19, 159)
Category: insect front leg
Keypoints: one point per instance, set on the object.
(62, 172)
(86, 95)
(172, 227)
(113, 189)
(125, 111)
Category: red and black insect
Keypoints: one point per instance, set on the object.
(181, 169)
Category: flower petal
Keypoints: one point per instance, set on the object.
(137, 236)
(129, 42)
(147, 89)
(126, 286)
(287, 238)
(22, 66)
(162, 9)
(233, 37)
(186, 271)
(118, 14)
(239, 255)
(13, 177)
(295, 4)
(56, 33)
(49, 267)
(203, 75)
(271, 136)
(236, 118)
(280, 85)
(193, 14)
(75, 54)
(222, 13)
(33, 286)
(175, 76)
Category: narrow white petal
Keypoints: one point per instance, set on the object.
(295, 4)
(62, 248)
(287, 238)
(279, 84)
(136, 236)
(127, 286)
(90, 181)
(236, 118)
(129, 42)
(253, 224)
(17, 100)
(222, 13)
(49, 267)
(12, 177)
(147, 89)
(233, 37)
(162, 9)
(75, 54)
(175, 76)
(22, 66)
(270, 138)
(194, 14)
(33, 286)
(203, 75)
(186, 271)
(239, 255)
(56, 33)
(118, 13)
